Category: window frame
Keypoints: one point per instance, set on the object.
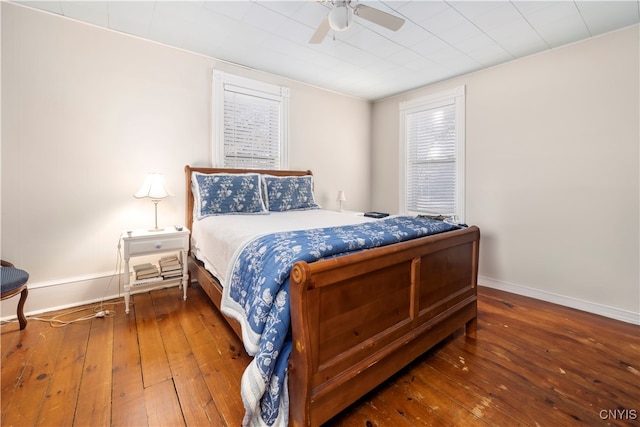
(248, 87)
(456, 97)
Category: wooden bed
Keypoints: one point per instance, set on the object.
(342, 346)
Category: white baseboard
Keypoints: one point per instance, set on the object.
(61, 294)
(72, 292)
(590, 307)
(66, 293)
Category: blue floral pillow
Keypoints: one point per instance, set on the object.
(286, 193)
(221, 193)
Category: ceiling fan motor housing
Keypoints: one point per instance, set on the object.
(340, 18)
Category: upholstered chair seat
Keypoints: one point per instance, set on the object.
(14, 281)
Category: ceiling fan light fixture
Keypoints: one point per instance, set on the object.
(340, 18)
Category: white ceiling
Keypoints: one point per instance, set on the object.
(440, 39)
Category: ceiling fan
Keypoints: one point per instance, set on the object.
(342, 14)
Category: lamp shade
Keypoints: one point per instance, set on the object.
(154, 188)
(340, 18)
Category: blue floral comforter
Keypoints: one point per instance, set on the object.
(257, 295)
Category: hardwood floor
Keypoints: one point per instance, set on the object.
(171, 363)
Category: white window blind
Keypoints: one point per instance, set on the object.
(431, 160)
(250, 123)
(433, 154)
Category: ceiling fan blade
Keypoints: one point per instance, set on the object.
(321, 32)
(379, 17)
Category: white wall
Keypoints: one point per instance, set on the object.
(87, 112)
(552, 175)
(552, 157)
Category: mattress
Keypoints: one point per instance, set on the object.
(216, 240)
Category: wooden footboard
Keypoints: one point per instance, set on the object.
(358, 319)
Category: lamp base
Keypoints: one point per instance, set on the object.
(155, 203)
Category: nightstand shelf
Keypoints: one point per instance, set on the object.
(144, 242)
(152, 281)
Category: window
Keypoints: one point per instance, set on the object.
(432, 154)
(250, 123)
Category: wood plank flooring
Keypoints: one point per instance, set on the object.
(176, 363)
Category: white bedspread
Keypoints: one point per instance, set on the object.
(215, 240)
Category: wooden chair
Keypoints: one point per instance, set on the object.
(14, 281)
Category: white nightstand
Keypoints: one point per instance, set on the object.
(145, 242)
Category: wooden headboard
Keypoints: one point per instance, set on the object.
(189, 194)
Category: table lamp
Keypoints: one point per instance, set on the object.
(155, 189)
(341, 198)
